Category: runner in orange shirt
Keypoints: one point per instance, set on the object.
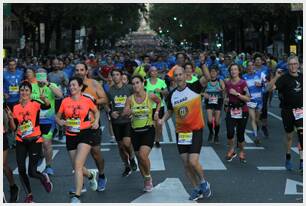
(79, 139)
(28, 138)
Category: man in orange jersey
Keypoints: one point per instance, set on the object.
(96, 92)
(186, 104)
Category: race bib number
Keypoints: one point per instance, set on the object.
(13, 90)
(298, 113)
(185, 138)
(26, 129)
(43, 114)
(120, 101)
(73, 125)
(252, 104)
(213, 100)
(236, 113)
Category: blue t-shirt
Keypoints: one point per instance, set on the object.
(69, 71)
(265, 75)
(282, 65)
(119, 65)
(223, 71)
(160, 65)
(255, 92)
(11, 82)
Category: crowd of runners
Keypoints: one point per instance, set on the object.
(63, 98)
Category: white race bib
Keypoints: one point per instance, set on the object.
(252, 104)
(236, 113)
(298, 113)
(26, 128)
(120, 101)
(213, 100)
(13, 90)
(185, 138)
(73, 125)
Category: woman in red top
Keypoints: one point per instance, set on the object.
(79, 139)
(237, 94)
(28, 138)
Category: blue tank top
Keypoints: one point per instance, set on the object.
(11, 82)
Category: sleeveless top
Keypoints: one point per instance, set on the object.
(141, 112)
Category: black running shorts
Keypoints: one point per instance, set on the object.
(143, 138)
(195, 147)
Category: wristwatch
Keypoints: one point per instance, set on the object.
(238, 94)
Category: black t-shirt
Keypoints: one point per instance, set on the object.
(290, 90)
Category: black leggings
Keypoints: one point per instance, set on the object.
(264, 110)
(240, 125)
(34, 150)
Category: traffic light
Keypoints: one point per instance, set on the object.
(299, 33)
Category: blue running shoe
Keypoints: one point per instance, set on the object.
(205, 189)
(288, 165)
(101, 184)
(195, 194)
(49, 171)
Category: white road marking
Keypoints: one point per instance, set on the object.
(254, 148)
(40, 168)
(247, 139)
(172, 129)
(291, 187)
(271, 168)
(156, 159)
(210, 160)
(295, 149)
(105, 149)
(276, 116)
(165, 134)
(169, 191)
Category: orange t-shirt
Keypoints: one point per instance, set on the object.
(77, 114)
(28, 120)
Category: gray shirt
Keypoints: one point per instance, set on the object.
(117, 98)
(60, 79)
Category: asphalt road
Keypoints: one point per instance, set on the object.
(262, 179)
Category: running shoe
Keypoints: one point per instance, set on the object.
(196, 194)
(93, 180)
(75, 199)
(46, 182)
(242, 157)
(230, 156)
(72, 190)
(126, 172)
(101, 184)
(157, 144)
(49, 170)
(133, 164)
(205, 189)
(14, 193)
(148, 186)
(29, 199)
(288, 165)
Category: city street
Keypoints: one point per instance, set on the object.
(262, 179)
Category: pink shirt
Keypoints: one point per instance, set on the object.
(239, 87)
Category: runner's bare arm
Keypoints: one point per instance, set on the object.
(56, 91)
(127, 108)
(58, 119)
(101, 94)
(156, 99)
(95, 124)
